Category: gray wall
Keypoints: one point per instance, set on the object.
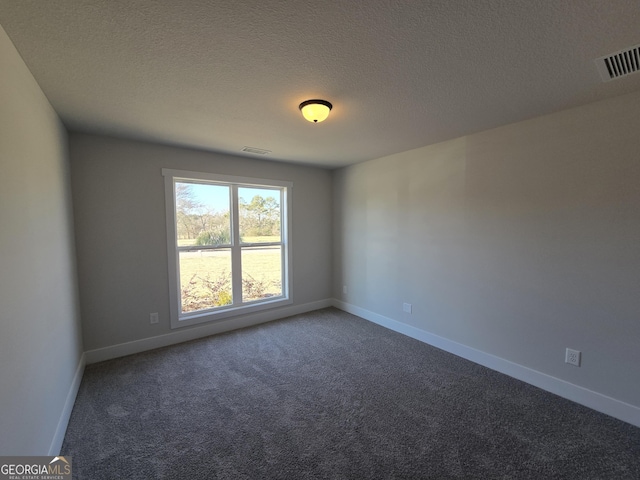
(40, 344)
(518, 242)
(118, 193)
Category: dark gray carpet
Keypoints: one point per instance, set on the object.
(329, 395)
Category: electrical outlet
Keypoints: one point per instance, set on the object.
(572, 357)
(406, 307)
(344, 289)
(153, 318)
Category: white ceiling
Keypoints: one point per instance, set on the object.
(221, 75)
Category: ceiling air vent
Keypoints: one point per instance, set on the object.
(619, 64)
(259, 151)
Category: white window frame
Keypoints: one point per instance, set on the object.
(179, 319)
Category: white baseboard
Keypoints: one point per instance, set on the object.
(192, 333)
(61, 429)
(594, 400)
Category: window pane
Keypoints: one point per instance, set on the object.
(261, 273)
(259, 214)
(205, 279)
(202, 214)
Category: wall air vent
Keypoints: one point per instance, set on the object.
(259, 151)
(619, 64)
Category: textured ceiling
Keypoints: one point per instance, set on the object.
(221, 75)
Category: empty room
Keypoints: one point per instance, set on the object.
(293, 239)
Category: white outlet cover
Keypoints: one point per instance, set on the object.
(573, 357)
(406, 307)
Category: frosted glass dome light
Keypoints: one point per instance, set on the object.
(315, 110)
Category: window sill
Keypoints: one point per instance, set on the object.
(212, 316)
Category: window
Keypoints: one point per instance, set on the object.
(229, 245)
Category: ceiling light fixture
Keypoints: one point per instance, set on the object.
(315, 110)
